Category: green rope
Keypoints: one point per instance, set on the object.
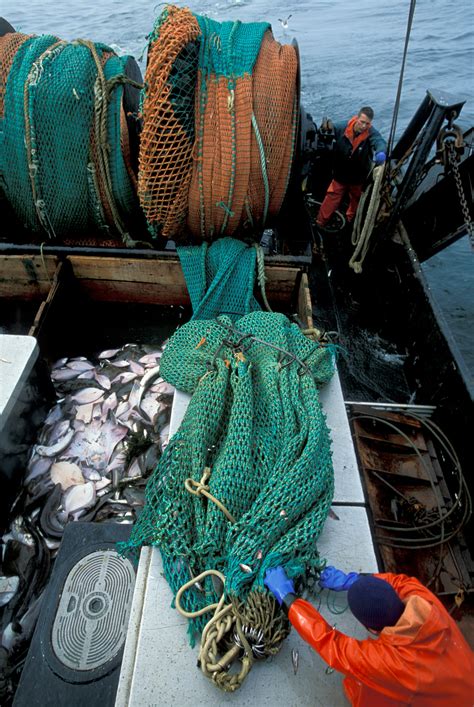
(31, 82)
(263, 162)
(224, 206)
(103, 89)
(261, 277)
(294, 133)
(200, 138)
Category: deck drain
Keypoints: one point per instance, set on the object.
(92, 617)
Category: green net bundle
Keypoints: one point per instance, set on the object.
(254, 437)
(63, 157)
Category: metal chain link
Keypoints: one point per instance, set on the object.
(452, 159)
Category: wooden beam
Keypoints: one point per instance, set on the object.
(159, 281)
(26, 277)
(305, 309)
(51, 300)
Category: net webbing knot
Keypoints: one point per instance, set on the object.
(224, 206)
(231, 100)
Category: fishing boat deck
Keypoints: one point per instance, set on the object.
(159, 667)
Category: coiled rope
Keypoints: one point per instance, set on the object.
(258, 618)
(103, 89)
(361, 236)
(236, 632)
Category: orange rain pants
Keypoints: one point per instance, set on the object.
(423, 660)
(333, 198)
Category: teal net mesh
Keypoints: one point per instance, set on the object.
(53, 134)
(218, 278)
(229, 49)
(255, 426)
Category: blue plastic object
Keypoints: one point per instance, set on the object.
(337, 580)
(278, 583)
(380, 157)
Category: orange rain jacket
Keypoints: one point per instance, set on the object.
(422, 661)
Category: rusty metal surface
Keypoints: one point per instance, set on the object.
(409, 488)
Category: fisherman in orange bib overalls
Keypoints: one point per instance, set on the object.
(356, 142)
(420, 658)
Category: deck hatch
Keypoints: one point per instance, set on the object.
(91, 621)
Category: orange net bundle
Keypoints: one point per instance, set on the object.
(276, 110)
(245, 145)
(237, 86)
(222, 159)
(9, 45)
(167, 137)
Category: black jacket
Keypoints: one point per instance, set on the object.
(354, 168)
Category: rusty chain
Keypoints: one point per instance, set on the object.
(453, 163)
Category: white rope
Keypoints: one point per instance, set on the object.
(361, 236)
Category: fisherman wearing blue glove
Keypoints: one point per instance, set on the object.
(420, 657)
(356, 141)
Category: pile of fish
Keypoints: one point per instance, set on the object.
(98, 444)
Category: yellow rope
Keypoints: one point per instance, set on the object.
(191, 583)
(361, 237)
(215, 667)
(225, 621)
(312, 333)
(201, 488)
(44, 263)
(33, 78)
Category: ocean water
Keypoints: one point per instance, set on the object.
(351, 52)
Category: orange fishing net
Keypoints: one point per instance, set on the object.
(226, 172)
(245, 146)
(165, 144)
(277, 113)
(9, 45)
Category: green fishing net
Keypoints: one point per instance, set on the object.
(254, 424)
(61, 156)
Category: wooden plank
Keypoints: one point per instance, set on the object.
(124, 279)
(24, 291)
(157, 281)
(146, 293)
(133, 292)
(159, 272)
(26, 272)
(56, 289)
(305, 309)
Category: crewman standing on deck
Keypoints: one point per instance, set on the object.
(357, 142)
(420, 657)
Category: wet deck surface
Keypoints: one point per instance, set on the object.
(159, 667)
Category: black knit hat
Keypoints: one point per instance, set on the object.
(374, 602)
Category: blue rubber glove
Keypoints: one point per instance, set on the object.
(380, 157)
(338, 581)
(278, 583)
